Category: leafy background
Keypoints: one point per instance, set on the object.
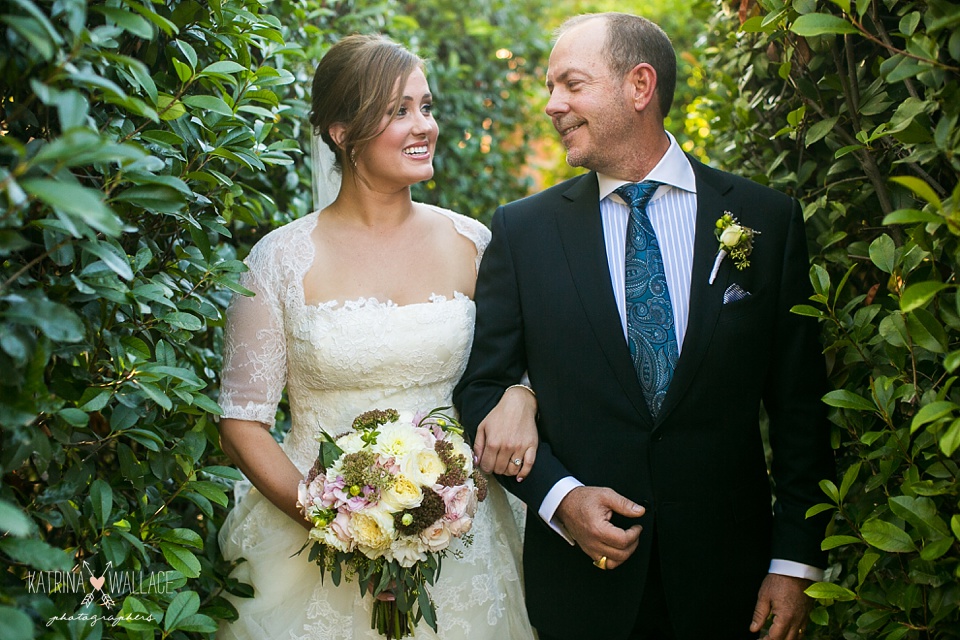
(146, 146)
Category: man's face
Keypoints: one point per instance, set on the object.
(590, 107)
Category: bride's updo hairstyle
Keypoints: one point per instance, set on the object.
(356, 85)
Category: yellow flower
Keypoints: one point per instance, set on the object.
(402, 494)
(423, 467)
(373, 529)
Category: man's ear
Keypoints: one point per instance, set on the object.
(338, 132)
(643, 82)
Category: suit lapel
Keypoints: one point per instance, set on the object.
(581, 231)
(706, 300)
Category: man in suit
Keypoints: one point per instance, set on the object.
(650, 502)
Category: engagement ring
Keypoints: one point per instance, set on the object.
(517, 461)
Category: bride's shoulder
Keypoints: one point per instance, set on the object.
(284, 239)
(466, 226)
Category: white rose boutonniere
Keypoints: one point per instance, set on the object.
(736, 241)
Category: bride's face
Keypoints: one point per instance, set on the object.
(402, 154)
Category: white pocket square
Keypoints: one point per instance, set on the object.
(734, 293)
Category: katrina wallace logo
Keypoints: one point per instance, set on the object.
(103, 589)
(106, 587)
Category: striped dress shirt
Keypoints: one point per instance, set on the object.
(673, 213)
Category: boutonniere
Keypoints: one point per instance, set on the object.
(736, 241)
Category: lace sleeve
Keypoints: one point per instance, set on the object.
(472, 229)
(254, 352)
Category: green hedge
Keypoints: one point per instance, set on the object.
(135, 136)
(144, 146)
(853, 108)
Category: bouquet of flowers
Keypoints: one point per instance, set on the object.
(385, 501)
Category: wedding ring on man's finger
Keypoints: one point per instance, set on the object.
(518, 461)
(601, 563)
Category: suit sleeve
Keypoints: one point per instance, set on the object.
(799, 430)
(498, 358)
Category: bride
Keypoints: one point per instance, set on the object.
(363, 305)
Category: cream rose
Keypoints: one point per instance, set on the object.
(731, 235)
(436, 537)
(460, 526)
(402, 494)
(423, 467)
(351, 442)
(372, 529)
(337, 534)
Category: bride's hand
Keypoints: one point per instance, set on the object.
(508, 434)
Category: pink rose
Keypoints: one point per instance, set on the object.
(333, 494)
(341, 527)
(459, 501)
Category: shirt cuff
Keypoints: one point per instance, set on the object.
(553, 499)
(796, 570)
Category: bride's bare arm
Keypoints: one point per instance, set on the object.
(257, 454)
(508, 434)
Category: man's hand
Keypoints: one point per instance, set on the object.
(784, 599)
(585, 513)
(509, 433)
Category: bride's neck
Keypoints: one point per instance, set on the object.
(367, 207)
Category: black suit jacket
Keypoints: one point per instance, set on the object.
(545, 305)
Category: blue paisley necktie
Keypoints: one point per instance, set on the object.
(650, 330)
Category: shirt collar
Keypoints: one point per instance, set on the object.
(673, 170)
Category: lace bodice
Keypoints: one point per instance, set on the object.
(336, 359)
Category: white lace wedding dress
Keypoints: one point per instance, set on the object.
(337, 361)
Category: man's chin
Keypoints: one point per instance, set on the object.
(575, 159)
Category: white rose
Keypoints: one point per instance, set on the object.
(351, 442)
(406, 551)
(402, 494)
(731, 235)
(398, 440)
(423, 467)
(436, 537)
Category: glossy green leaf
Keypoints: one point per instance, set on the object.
(210, 103)
(886, 536)
(816, 24)
(14, 521)
(74, 200)
(883, 253)
(183, 605)
(101, 497)
(829, 591)
(932, 412)
(832, 542)
(918, 295)
(848, 400)
(182, 560)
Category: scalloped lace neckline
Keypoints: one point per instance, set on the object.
(375, 303)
